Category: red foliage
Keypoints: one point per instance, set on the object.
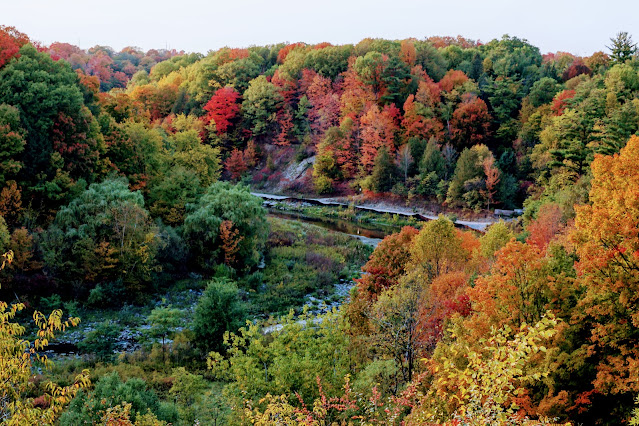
(561, 101)
(100, 65)
(325, 107)
(11, 40)
(69, 136)
(322, 45)
(235, 165)
(577, 68)
(64, 51)
(285, 121)
(378, 129)
(222, 108)
(445, 297)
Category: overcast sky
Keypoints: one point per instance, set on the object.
(580, 27)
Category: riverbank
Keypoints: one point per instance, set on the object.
(381, 207)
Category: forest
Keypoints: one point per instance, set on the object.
(144, 282)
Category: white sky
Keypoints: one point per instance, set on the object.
(580, 27)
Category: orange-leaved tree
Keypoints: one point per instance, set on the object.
(607, 243)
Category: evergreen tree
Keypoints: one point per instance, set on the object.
(384, 171)
(622, 48)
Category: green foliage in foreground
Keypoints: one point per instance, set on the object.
(88, 407)
(219, 310)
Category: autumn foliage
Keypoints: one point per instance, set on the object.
(222, 109)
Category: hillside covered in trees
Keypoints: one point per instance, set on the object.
(125, 182)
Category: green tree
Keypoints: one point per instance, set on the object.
(218, 310)
(496, 237)
(394, 327)
(12, 142)
(169, 196)
(622, 48)
(164, 322)
(225, 202)
(187, 151)
(437, 248)
(101, 341)
(288, 359)
(468, 174)
(543, 91)
(104, 234)
(432, 168)
(384, 171)
(52, 112)
(261, 100)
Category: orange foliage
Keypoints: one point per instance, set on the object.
(469, 242)
(250, 154)
(91, 82)
(428, 93)
(378, 129)
(230, 241)
(416, 125)
(11, 203)
(283, 53)
(387, 263)
(608, 268)
(546, 227)
(513, 292)
(229, 55)
(444, 41)
(492, 179)
(23, 248)
(452, 79)
(355, 94)
(408, 54)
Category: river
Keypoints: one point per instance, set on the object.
(371, 237)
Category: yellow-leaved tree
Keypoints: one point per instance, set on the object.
(17, 357)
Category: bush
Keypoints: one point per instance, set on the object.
(89, 407)
(101, 341)
(104, 234)
(219, 310)
(106, 295)
(224, 202)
